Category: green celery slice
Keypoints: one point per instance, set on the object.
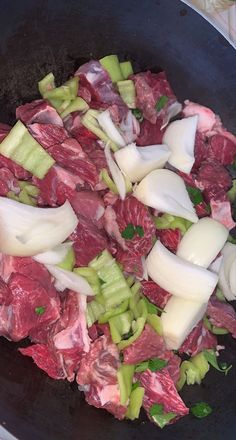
(126, 69)
(201, 363)
(91, 276)
(93, 312)
(78, 104)
(23, 149)
(125, 380)
(73, 84)
(127, 92)
(139, 328)
(47, 83)
(69, 260)
(120, 325)
(89, 121)
(135, 403)
(155, 322)
(114, 312)
(26, 199)
(112, 66)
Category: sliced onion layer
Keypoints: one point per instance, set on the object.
(115, 172)
(55, 255)
(27, 230)
(69, 280)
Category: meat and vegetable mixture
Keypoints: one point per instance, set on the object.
(118, 257)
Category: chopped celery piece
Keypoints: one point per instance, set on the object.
(69, 261)
(136, 287)
(90, 122)
(232, 192)
(73, 84)
(142, 308)
(139, 328)
(114, 312)
(126, 69)
(114, 288)
(130, 280)
(94, 310)
(91, 276)
(201, 364)
(11, 195)
(220, 296)
(168, 221)
(133, 305)
(219, 330)
(108, 181)
(100, 299)
(62, 106)
(26, 199)
(32, 190)
(125, 380)
(188, 373)
(77, 105)
(120, 325)
(207, 323)
(152, 309)
(135, 403)
(47, 83)
(127, 92)
(23, 149)
(112, 66)
(155, 322)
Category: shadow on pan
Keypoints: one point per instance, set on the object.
(38, 37)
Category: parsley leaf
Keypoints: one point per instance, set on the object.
(138, 114)
(135, 385)
(201, 409)
(195, 195)
(39, 310)
(151, 308)
(210, 356)
(162, 101)
(158, 415)
(129, 232)
(154, 364)
(139, 230)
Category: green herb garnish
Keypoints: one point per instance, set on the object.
(153, 365)
(152, 308)
(162, 101)
(210, 356)
(158, 415)
(201, 409)
(135, 385)
(195, 195)
(138, 114)
(139, 230)
(129, 232)
(39, 310)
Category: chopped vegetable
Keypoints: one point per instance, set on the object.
(40, 310)
(108, 126)
(155, 322)
(129, 232)
(55, 255)
(112, 66)
(201, 410)
(210, 356)
(139, 326)
(78, 104)
(135, 402)
(125, 379)
(68, 91)
(94, 311)
(155, 364)
(126, 69)
(161, 103)
(159, 416)
(115, 172)
(120, 325)
(195, 195)
(127, 92)
(89, 120)
(138, 114)
(27, 230)
(168, 221)
(46, 84)
(69, 280)
(69, 261)
(23, 149)
(114, 312)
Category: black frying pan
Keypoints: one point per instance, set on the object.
(37, 37)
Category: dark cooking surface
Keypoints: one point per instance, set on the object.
(39, 36)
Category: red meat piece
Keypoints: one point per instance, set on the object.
(160, 388)
(4, 130)
(25, 266)
(97, 376)
(131, 263)
(90, 205)
(149, 88)
(213, 177)
(170, 238)
(38, 111)
(48, 134)
(8, 182)
(131, 211)
(148, 345)
(57, 186)
(221, 211)
(20, 316)
(95, 153)
(150, 134)
(198, 340)
(222, 149)
(5, 293)
(88, 241)
(44, 359)
(69, 154)
(16, 169)
(222, 314)
(200, 150)
(155, 293)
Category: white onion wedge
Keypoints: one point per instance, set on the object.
(172, 111)
(110, 129)
(227, 274)
(202, 242)
(179, 277)
(115, 172)
(165, 191)
(180, 138)
(27, 230)
(70, 280)
(180, 317)
(55, 255)
(136, 162)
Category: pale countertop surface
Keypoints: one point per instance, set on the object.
(225, 22)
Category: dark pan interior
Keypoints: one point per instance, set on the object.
(41, 36)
